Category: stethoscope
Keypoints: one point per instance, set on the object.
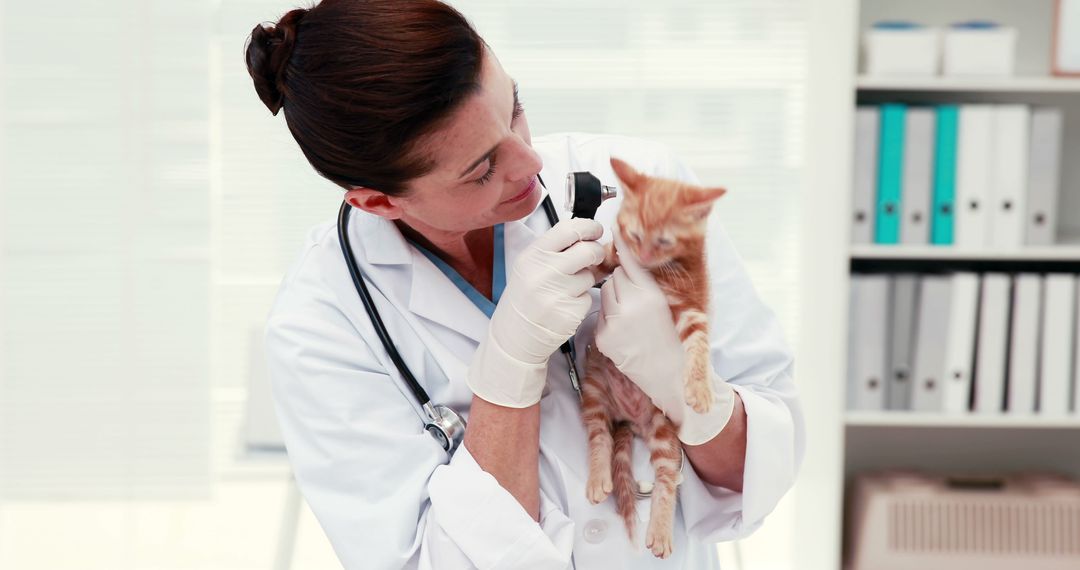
(584, 194)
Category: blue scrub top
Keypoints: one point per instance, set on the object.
(498, 275)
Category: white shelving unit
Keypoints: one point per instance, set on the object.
(912, 419)
(884, 252)
(1020, 84)
(842, 443)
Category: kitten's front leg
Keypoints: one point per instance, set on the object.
(697, 381)
(611, 260)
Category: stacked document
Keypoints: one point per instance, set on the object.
(970, 175)
(965, 342)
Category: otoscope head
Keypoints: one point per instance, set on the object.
(585, 193)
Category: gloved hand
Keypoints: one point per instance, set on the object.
(636, 332)
(545, 299)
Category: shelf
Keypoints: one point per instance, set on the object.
(1018, 84)
(916, 419)
(1068, 252)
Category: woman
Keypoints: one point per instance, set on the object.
(404, 106)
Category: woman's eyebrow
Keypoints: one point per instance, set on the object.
(492, 150)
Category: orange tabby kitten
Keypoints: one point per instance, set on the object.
(663, 223)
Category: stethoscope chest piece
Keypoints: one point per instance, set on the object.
(445, 425)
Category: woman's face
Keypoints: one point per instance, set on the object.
(485, 169)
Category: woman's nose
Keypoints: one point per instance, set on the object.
(524, 160)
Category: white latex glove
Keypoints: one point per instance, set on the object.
(545, 299)
(636, 332)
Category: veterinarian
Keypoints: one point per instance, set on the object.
(404, 106)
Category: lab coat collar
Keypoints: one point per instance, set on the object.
(383, 242)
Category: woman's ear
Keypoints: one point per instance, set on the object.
(374, 202)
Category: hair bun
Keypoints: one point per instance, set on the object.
(267, 53)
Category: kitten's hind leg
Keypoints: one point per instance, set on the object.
(597, 417)
(666, 454)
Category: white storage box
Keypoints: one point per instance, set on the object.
(902, 520)
(902, 49)
(976, 50)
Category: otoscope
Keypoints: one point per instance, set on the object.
(584, 194)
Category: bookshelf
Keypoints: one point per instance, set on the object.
(842, 442)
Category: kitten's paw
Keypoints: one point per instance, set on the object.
(659, 539)
(598, 487)
(699, 396)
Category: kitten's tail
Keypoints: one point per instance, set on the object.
(622, 475)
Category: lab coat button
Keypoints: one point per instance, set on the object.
(595, 531)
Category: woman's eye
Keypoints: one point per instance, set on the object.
(487, 175)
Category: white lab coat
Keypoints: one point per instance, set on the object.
(387, 495)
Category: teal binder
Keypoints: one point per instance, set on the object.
(941, 222)
(890, 174)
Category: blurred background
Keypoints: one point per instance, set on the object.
(151, 204)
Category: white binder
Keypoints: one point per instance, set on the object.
(992, 347)
(1024, 344)
(867, 342)
(1044, 175)
(1055, 378)
(867, 126)
(1076, 356)
(932, 324)
(918, 175)
(902, 340)
(960, 351)
(1009, 175)
(974, 156)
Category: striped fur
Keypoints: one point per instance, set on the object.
(663, 223)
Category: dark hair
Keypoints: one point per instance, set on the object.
(363, 81)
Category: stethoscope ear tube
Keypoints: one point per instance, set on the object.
(444, 424)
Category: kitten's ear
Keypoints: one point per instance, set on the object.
(626, 173)
(710, 194)
(699, 206)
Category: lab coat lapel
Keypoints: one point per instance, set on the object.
(435, 298)
(517, 235)
(431, 295)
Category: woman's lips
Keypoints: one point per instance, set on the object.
(524, 193)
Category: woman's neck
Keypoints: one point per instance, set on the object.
(470, 253)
